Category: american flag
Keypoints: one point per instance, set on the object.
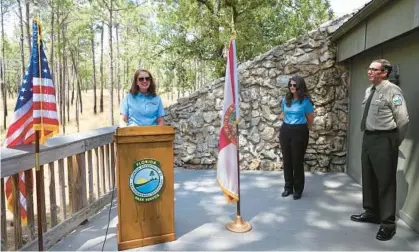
(35, 110)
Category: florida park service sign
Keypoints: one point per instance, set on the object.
(146, 180)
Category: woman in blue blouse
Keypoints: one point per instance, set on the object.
(298, 110)
(142, 106)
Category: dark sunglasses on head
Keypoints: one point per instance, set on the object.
(144, 78)
(292, 85)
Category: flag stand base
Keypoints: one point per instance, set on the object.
(238, 225)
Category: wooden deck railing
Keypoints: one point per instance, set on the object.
(79, 176)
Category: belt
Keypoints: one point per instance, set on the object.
(380, 131)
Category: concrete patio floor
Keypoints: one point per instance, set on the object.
(318, 221)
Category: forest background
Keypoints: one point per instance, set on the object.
(95, 46)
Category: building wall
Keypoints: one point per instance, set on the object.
(404, 52)
(392, 20)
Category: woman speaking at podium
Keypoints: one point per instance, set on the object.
(142, 107)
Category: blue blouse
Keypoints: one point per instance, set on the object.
(141, 109)
(296, 113)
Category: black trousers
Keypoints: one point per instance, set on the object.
(294, 140)
(379, 167)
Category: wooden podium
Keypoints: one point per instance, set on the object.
(145, 185)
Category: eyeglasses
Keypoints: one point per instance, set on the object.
(292, 85)
(144, 79)
(374, 69)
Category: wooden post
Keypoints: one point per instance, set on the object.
(63, 206)
(112, 154)
(102, 166)
(70, 182)
(52, 196)
(97, 174)
(107, 168)
(3, 215)
(29, 203)
(16, 212)
(77, 179)
(81, 180)
(90, 175)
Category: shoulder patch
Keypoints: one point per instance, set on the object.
(397, 100)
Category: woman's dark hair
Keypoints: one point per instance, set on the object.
(134, 87)
(301, 90)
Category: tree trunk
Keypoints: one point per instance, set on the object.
(68, 94)
(62, 84)
(77, 111)
(3, 70)
(118, 78)
(22, 53)
(94, 72)
(111, 66)
(127, 76)
(64, 74)
(101, 67)
(79, 81)
(51, 60)
(28, 25)
(72, 90)
(78, 89)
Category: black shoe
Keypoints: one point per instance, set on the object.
(365, 217)
(286, 193)
(296, 196)
(385, 233)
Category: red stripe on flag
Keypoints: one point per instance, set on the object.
(16, 125)
(45, 106)
(22, 187)
(30, 139)
(19, 138)
(45, 90)
(45, 120)
(9, 196)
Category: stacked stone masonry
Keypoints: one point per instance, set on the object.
(264, 81)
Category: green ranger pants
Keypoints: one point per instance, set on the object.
(379, 167)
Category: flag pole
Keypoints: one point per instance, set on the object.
(238, 225)
(39, 177)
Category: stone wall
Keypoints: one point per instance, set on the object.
(263, 81)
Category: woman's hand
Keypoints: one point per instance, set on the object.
(123, 120)
(310, 119)
(160, 121)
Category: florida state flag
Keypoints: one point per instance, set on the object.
(227, 164)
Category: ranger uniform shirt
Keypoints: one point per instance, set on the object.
(388, 109)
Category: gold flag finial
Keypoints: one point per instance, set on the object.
(233, 29)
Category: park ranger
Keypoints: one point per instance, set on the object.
(384, 122)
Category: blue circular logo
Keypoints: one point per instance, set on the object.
(146, 180)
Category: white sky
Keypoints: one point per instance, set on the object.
(340, 7)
